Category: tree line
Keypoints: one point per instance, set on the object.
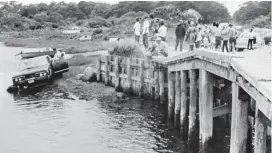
(254, 13)
(59, 14)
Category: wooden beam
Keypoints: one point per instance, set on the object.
(129, 80)
(177, 99)
(221, 110)
(171, 95)
(183, 102)
(107, 82)
(192, 105)
(141, 75)
(260, 134)
(162, 85)
(98, 69)
(262, 103)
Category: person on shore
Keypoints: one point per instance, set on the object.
(162, 31)
(191, 35)
(232, 40)
(251, 39)
(145, 31)
(180, 33)
(217, 34)
(137, 30)
(225, 36)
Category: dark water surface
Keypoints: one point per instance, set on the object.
(34, 124)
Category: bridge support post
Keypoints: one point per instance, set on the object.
(192, 105)
(98, 69)
(116, 71)
(171, 95)
(177, 99)
(157, 85)
(260, 134)
(161, 82)
(183, 103)
(141, 74)
(129, 81)
(239, 127)
(205, 108)
(107, 71)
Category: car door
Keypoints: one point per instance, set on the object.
(242, 40)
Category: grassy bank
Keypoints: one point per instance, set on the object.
(54, 39)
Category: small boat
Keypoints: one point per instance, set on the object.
(47, 51)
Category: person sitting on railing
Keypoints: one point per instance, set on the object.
(157, 48)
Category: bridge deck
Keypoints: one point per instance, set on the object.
(254, 66)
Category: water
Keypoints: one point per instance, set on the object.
(34, 124)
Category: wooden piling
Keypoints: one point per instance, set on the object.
(116, 71)
(141, 75)
(129, 81)
(156, 82)
(183, 103)
(235, 88)
(206, 109)
(177, 99)
(98, 69)
(107, 70)
(260, 134)
(171, 95)
(239, 122)
(192, 105)
(161, 82)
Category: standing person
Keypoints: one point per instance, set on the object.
(145, 31)
(250, 40)
(152, 25)
(191, 35)
(137, 30)
(199, 37)
(162, 31)
(217, 34)
(180, 33)
(232, 40)
(157, 25)
(225, 36)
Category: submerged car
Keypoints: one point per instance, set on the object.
(38, 71)
(242, 41)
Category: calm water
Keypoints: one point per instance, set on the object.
(34, 124)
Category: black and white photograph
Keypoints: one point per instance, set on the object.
(89, 76)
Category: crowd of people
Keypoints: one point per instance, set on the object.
(216, 36)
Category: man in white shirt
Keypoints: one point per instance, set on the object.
(250, 40)
(137, 29)
(162, 31)
(58, 55)
(145, 31)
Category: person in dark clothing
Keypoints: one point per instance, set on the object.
(180, 33)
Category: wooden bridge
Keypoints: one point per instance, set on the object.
(190, 79)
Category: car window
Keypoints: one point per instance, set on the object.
(33, 62)
(244, 35)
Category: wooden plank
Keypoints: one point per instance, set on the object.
(221, 110)
(157, 84)
(129, 80)
(235, 94)
(183, 102)
(186, 65)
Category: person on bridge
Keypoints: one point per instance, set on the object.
(217, 34)
(180, 33)
(191, 35)
(145, 31)
(157, 48)
(137, 30)
(225, 35)
(250, 40)
(232, 40)
(162, 31)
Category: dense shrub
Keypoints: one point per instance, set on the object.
(97, 31)
(96, 22)
(260, 22)
(127, 48)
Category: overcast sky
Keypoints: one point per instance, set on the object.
(231, 5)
